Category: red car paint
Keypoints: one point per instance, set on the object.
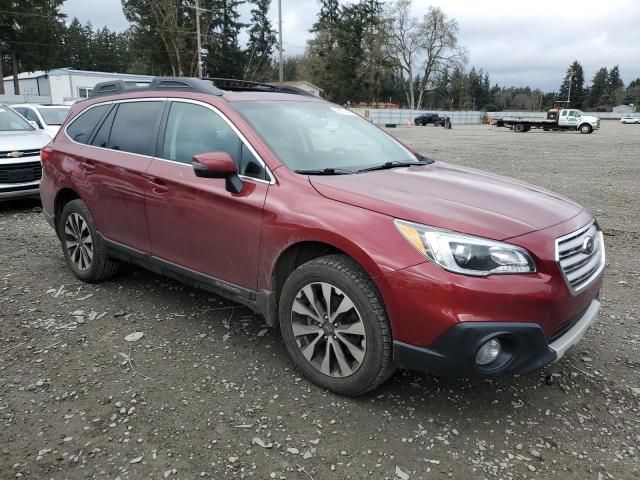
(161, 208)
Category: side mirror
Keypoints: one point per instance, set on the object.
(218, 165)
(34, 125)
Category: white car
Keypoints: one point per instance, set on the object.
(631, 118)
(47, 117)
(20, 144)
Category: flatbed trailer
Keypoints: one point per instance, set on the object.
(557, 119)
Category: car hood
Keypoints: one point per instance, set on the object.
(452, 197)
(26, 140)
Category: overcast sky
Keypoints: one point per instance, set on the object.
(517, 43)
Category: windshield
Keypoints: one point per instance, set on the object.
(11, 121)
(54, 115)
(319, 136)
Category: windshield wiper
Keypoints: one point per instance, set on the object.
(388, 165)
(326, 171)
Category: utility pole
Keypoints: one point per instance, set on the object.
(569, 93)
(280, 40)
(198, 41)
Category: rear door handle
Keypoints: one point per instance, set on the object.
(88, 166)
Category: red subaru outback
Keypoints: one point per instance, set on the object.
(367, 255)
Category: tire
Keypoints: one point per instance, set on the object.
(585, 128)
(89, 262)
(519, 128)
(321, 347)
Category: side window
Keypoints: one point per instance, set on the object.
(572, 113)
(21, 110)
(135, 127)
(81, 128)
(193, 129)
(564, 113)
(101, 138)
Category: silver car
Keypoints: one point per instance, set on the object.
(20, 144)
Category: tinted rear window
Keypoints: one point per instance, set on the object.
(81, 128)
(135, 128)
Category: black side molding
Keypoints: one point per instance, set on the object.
(259, 302)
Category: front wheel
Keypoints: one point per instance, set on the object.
(519, 128)
(585, 128)
(335, 327)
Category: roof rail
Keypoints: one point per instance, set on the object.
(157, 83)
(232, 84)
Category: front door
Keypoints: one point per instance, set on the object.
(195, 222)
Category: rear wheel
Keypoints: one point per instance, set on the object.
(83, 251)
(518, 128)
(335, 327)
(585, 128)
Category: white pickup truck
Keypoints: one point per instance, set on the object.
(557, 119)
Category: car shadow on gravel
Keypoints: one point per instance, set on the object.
(22, 205)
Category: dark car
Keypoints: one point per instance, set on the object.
(429, 118)
(366, 255)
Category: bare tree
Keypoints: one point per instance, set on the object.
(404, 44)
(166, 14)
(438, 44)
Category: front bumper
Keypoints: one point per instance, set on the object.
(19, 190)
(525, 347)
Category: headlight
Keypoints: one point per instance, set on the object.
(464, 253)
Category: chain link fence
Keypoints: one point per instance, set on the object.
(381, 116)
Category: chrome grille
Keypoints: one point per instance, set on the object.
(580, 256)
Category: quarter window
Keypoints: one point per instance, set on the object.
(135, 127)
(101, 138)
(81, 128)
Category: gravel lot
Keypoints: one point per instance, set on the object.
(210, 392)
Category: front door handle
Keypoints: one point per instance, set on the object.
(158, 186)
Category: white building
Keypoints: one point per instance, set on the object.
(303, 85)
(60, 84)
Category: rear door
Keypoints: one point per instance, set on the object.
(195, 222)
(114, 164)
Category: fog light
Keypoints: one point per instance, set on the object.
(488, 352)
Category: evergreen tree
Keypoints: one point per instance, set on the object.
(573, 85)
(225, 58)
(30, 35)
(262, 39)
(615, 86)
(76, 41)
(614, 80)
(598, 93)
(633, 94)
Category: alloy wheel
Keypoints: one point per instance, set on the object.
(328, 329)
(78, 241)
